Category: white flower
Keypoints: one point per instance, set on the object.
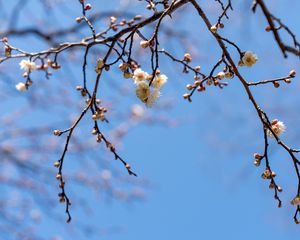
(249, 59)
(159, 81)
(278, 128)
(27, 65)
(154, 95)
(139, 75)
(142, 90)
(21, 87)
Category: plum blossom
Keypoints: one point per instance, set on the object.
(277, 127)
(21, 87)
(147, 93)
(27, 65)
(249, 59)
(142, 90)
(139, 75)
(154, 95)
(159, 81)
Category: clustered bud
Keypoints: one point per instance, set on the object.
(99, 114)
(267, 174)
(257, 159)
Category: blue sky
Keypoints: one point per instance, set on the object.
(203, 182)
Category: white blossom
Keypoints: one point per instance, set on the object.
(139, 75)
(21, 87)
(278, 128)
(159, 81)
(249, 59)
(27, 65)
(154, 95)
(142, 90)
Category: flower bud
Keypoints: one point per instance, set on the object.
(276, 84)
(221, 75)
(113, 19)
(214, 28)
(186, 95)
(292, 73)
(268, 28)
(256, 162)
(128, 166)
(79, 88)
(127, 75)
(257, 156)
(57, 132)
(88, 7)
(78, 19)
(187, 57)
(189, 87)
(144, 44)
(57, 164)
(197, 68)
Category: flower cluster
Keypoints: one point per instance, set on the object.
(146, 93)
(268, 174)
(28, 66)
